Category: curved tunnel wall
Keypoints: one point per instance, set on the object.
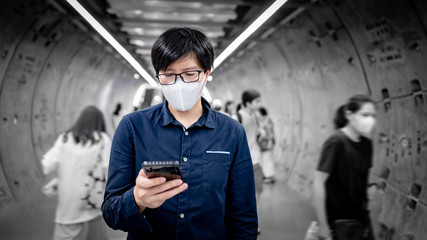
(49, 71)
(310, 66)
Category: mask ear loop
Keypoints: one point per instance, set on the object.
(203, 85)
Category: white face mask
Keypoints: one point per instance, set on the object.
(183, 96)
(365, 125)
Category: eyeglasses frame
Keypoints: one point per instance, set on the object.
(179, 74)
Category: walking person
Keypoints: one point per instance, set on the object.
(341, 179)
(266, 141)
(251, 100)
(79, 158)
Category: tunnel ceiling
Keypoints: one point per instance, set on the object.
(137, 24)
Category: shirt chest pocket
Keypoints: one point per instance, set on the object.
(215, 169)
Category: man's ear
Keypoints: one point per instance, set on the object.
(208, 72)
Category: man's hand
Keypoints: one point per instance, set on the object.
(153, 192)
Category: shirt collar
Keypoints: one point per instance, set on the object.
(166, 117)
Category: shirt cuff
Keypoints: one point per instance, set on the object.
(132, 212)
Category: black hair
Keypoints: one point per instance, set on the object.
(177, 42)
(91, 120)
(249, 96)
(239, 116)
(263, 111)
(353, 105)
(118, 109)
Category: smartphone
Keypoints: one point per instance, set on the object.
(168, 169)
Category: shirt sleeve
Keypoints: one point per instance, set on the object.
(329, 155)
(241, 214)
(51, 158)
(119, 207)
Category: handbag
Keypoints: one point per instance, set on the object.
(350, 229)
(95, 184)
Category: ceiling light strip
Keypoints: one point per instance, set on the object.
(114, 43)
(248, 31)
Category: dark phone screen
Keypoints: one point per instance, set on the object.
(168, 169)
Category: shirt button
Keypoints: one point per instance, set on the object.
(186, 133)
(185, 159)
(182, 215)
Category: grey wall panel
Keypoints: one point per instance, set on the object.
(386, 34)
(19, 82)
(16, 19)
(10, 36)
(45, 94)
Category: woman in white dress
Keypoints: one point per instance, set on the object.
(80, 158)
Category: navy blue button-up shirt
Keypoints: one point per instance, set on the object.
(220, 200)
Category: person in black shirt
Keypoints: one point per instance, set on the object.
(341, 178)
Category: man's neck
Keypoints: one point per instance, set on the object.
(189, 117)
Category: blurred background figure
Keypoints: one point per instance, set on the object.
(79, 160)
(341, 179)
(266, 142)
(217, 105)
(117, 115)
(251, 100)
(230, 108)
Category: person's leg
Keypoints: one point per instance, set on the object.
(268, 166)
(97, 229)
(259, 178)
(69, 232)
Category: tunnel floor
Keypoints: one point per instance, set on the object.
(282, 215)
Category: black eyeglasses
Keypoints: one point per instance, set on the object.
(187, 76)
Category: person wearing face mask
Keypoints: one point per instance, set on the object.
(341, 179)
(215, 199)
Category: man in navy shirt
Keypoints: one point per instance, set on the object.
(216, 197)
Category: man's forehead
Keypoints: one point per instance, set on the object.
(186, 62)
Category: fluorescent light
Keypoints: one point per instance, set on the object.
(110, 39)
(138, 95)
(248, 31)
(138, 42)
